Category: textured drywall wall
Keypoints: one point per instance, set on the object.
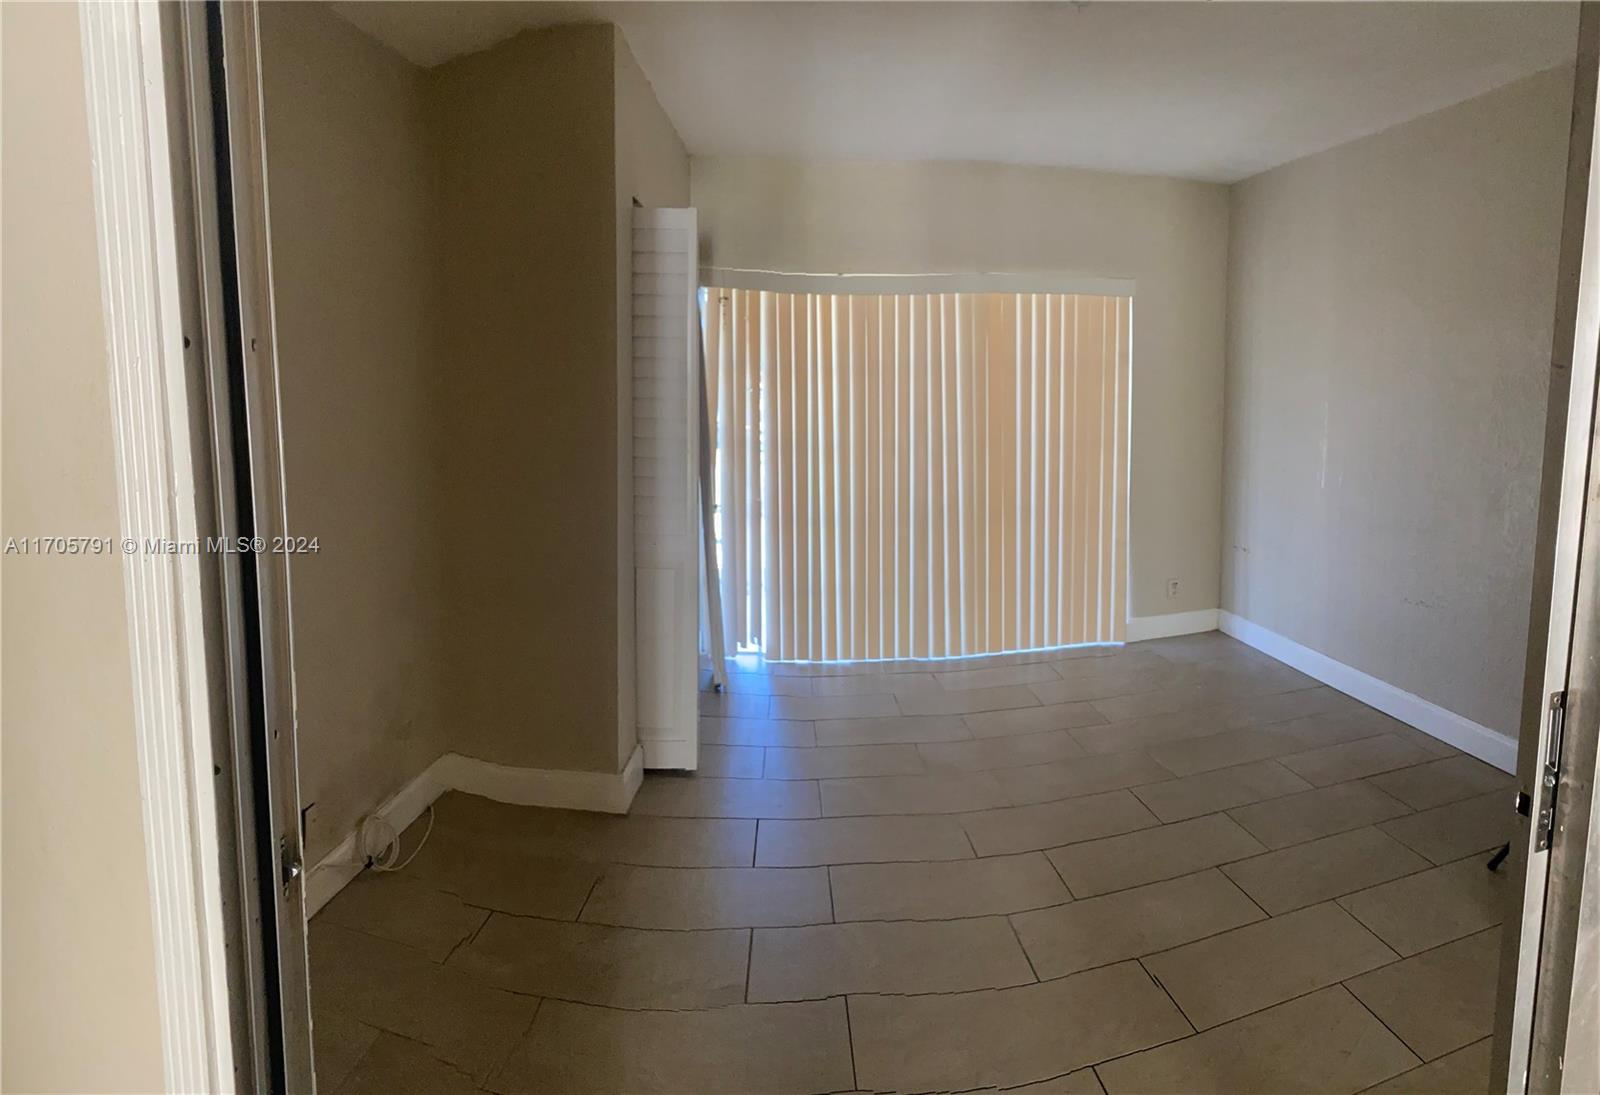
(1391, 310)
(356, 278)
(524, 146)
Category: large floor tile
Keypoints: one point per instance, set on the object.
(615, 967)
(1438, 782)
(1266, 679)
(1438, 1000)
(1266, 963)
(1086, 687)
(1129, 659)
(885, 956)
(1448, 833)
(1322, 1044)
(838, 761)
(1306, 874)
(987, 754)
(1129, 734)
(1295, 819)
(734, 705)
(750, 1049)
(1231, 747)
(670, 795)
(391, 987)
(757, 732)
(1032, 720)
(1008, 1037)
(1052, 824)
(1081, 1082)
(943, 793)
(833, 707)
(591, 837)
(1132, 923)
(892, 730)
(1188, 756)
(1464, 1072)
(874, 684)
(999, 676)
(1150, 855)
(1201, 646)
(404, 910)
(1077, 776)
(860, 840)
(338, 1043)
(1431, 908)
(713, 897)
(1209, 792)
(994, 885)
(1279, 707)
(394, 1065)
(498, 875)
(1160, 701)
(763, 684)
(731, 761)
(1053, 859)
(1354, 759)
(968, 700)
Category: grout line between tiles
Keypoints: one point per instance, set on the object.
(1168, 994)
(850, 1037)
(1011, 922)
(749, 960)
(592, 887)
(1265, 915)
(1365, 1007)
(1066, 885)
(495, 1073)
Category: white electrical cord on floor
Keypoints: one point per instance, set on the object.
(382, 856)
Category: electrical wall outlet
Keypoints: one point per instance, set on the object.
(1172, 588)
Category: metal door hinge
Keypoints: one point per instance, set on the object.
(1544, 820)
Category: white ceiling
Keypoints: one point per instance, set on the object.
(1216, 91)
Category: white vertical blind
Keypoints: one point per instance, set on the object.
(920, 475)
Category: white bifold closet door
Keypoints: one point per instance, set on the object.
(920, 475)
(666, 514)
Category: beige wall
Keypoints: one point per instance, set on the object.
(452, 267)
(653, 168)
(1169, 235)
(525, 153)
(78, 990)
(355, 259)
(1391, 309)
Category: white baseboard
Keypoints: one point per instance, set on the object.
(1141, 628)
(675, 754)
(400, 809)
(1490, 746)
(598, 791)
(602, 792)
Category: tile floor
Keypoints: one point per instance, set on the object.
(1173, 866)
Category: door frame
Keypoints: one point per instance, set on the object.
(185, 277)
(1562, 675)
(216, 788)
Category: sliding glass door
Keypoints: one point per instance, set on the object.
(920, 475)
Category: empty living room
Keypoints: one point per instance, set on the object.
(800, 546)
